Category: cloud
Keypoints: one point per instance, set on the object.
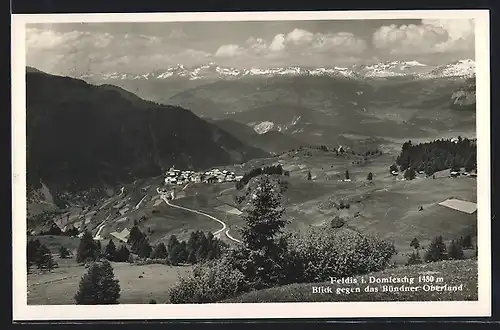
(229, 50)
(430, 37)
(278, 43)
(83, 51)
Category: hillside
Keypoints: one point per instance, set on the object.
(270, 141)
(81, 136)
(453, 273)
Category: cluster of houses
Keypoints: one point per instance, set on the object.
(183, 177)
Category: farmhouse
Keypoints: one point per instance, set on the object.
(460, 205)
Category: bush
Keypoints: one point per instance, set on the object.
(98, 286)
(152, 301)
(328, 252)
(208, 283)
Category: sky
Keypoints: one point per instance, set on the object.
(84, 48)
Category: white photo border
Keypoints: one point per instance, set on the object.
(24, 312)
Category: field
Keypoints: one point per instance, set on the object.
(388, 207)
(453, 273)
(139, 283)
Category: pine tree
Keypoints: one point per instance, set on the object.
(88, 250)
(63, 252)
(135, 235)
(370, 176)
(143, 248)
(347, 174)
(44, 259)
(309, 176)
(98, 286)
(201, 254)
(467, 242)
(455, 251)
(183, 253)
(470, 163)
(110, 252)
(192, 257)
(160, 251)
(172, 242)
(436, 251)
(122, 254)
(263, 224)
(32, 250)
(414, 259)
(415, 243)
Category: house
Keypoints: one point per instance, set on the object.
(394, 173)
(454, 140)
(454, 174)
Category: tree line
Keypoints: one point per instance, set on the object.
(437, 155)
(438, 251)
(273, 169)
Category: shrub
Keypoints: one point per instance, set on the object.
(370, 176)
(98, 286)
(328, 252)
(208, 283)
(152, 301)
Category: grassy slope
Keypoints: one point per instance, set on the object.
(453, 273)
(59, 286)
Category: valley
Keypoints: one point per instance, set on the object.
(99, 153)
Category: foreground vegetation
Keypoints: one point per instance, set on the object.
(454, 273)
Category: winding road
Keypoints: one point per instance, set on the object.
(224, 226)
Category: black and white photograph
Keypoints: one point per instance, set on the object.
(204, 162)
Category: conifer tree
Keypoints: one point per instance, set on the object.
(98, 286)
(110, 252)
(122, 254)
(160, 251)
(415, 243)
(436, 251)
(44, 259)
(63, 252)
(455, 251)
(370, 176)
(192, 257)
(414, 259)
(88, 250)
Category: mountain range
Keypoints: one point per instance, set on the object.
(413, 69)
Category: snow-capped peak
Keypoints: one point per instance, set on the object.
(414, 69)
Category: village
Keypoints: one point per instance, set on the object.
(182, 177)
